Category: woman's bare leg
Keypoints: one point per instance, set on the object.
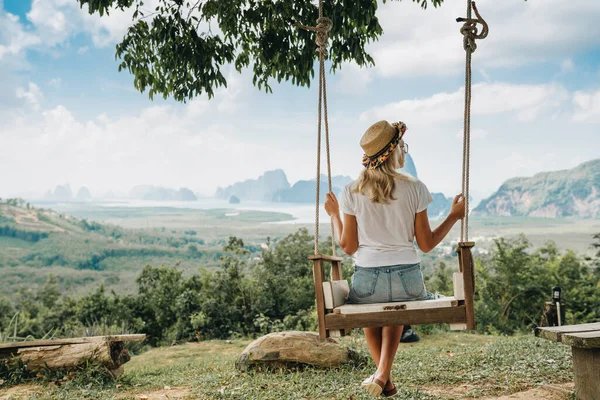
(374, 338)
(390, 339)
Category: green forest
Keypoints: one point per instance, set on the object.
(248, 295)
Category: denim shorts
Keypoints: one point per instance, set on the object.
(387, 284)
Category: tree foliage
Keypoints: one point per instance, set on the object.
(514, 283)
(180, 48)
(441, 280)
(246, 296)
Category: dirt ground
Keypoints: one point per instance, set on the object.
(19, 392)
(165, 394)
(174, 393)
(545, 392)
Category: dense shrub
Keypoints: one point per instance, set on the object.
(29, 236)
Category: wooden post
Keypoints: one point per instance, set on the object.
(550, 316)
(319, 277)
(336, 270)
(586, 365)
(585, 342)
(465, 263)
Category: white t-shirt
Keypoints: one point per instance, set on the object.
(386, 232)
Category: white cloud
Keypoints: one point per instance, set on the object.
(58, 20)
(109, 29)
(239, 135)
(476, 134)
(485, 75)
(55, 83)
(31, 96)
(587, 106)
(525, 102)
(55, 20)
(198, 145)
(229, 97)
(522, 164)
(14, 38)
(417, 42)
(567, 65)
(161, 145)
(353, 79)
(425, 42)
(204, 143)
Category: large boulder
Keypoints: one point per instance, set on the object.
(293, 349)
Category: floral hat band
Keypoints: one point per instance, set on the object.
(380, 141)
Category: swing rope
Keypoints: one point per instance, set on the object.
(470, 33)
(322, 30)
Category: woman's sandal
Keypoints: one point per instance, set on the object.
(367, 380)
(373, 386)
(389, 393)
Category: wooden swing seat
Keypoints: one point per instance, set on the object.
(336, 318)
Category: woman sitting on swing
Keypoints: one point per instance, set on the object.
(384, 211)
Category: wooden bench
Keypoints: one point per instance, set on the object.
(584, 340)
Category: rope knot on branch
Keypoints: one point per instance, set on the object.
(470, 31)
(322, 29)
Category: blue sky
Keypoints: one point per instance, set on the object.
(68, 116)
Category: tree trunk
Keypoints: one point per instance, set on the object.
(109, 354)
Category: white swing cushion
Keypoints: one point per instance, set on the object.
(335, 293)
(459, 287)
(396, 306)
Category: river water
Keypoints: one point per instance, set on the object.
(302, 213)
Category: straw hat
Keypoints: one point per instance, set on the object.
(379, 141)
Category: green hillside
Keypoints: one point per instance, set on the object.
(82, 254)
(568, 193)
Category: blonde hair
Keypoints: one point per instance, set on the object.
(379, 183)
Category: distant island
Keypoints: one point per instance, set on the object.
(64, 194)
(567, 193)
(157, 193)
(273, 186)
(571, 193)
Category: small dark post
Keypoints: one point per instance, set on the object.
(556, 294)
(552, 309)
(556, 297)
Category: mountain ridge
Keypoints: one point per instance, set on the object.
(571, 192)
(158, 193)
(304, 191)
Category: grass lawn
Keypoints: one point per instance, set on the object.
(440, 366)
